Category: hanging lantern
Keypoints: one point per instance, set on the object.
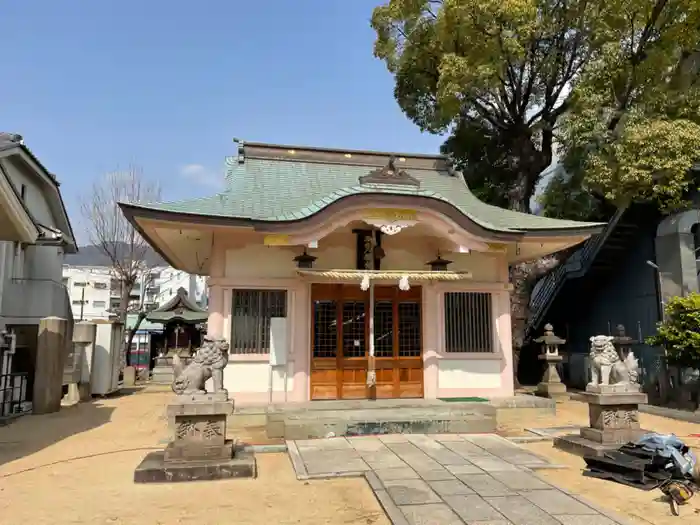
(439, 264)
(305, 261)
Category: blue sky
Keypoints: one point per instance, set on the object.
(94, 86)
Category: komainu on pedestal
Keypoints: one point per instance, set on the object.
(198, 449)
(613, 398)
(208, 363)
(607, 368)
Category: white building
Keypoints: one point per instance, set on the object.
(95, 293)
(35, 233)
(90, 290)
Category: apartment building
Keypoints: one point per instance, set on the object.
(95, 292)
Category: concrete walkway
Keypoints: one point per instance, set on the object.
(448, 479)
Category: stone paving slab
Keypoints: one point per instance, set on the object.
(448, 479)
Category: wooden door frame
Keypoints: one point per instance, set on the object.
(342, 292)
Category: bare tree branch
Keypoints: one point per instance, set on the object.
(109, 230)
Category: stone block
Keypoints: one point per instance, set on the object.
(556, 391)
(485, 485)
(179, 452)
(185, 406)
(604, 417)
(129, 376)
(612, 436)
(162, 374)
(451, 487)
(411, 492)
(620, 398)
(556, 502)
(52, 349)
(473, 509)
(154, 469)
(520, 511)
(575, 444)
(619, 388)
(426, 514)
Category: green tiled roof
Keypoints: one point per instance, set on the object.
(145, 324)
(269, 189)
(179, 308)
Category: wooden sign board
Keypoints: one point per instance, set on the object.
(276, 240)
(391, 214)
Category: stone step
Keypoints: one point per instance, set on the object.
(417, 418)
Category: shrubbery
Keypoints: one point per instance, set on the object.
(679, 333)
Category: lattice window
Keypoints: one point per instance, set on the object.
(383, 329)
(353, 329)
(251, 314)
(409, 329)
(468, 322)
(325, 329)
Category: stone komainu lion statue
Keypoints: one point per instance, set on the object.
(208, 362)
(606, 366)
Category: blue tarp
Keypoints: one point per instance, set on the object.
(671, 447)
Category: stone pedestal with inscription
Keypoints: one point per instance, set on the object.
(198, 449)
(613, 414)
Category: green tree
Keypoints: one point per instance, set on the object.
(611, 87)
(679, 333)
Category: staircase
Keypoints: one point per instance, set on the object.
(597, 255)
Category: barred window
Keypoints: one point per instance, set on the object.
(251, 314)
(468, 322)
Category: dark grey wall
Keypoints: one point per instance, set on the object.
(626, 295)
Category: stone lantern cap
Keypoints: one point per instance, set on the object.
(621, 338)
(549, 338)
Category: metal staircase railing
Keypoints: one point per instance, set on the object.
(575, 266)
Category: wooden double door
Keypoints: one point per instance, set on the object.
(340, 334)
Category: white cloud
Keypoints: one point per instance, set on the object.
(202, 175)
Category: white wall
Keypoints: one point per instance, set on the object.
(31, 274)
(33, 196)
(96, 300)
(170, 280)
(337, 250)
(160, 290)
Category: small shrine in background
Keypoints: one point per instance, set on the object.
(183, 325)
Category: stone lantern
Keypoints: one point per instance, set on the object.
(551, 385)
(623, 342)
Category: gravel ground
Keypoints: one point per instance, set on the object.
(76, 467)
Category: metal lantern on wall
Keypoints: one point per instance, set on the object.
(439, 264)
(305, 261)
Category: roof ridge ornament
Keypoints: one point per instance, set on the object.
(241, 150)
(389, 174)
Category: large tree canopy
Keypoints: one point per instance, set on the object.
(610, 87)
(613, 85)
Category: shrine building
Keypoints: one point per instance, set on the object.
(340, 274)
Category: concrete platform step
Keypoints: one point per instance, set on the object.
(357, 418)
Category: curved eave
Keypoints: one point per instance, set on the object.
(180, 318)
(133, 212)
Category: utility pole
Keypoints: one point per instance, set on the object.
(82, 302)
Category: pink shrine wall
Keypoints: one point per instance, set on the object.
(242, 261)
